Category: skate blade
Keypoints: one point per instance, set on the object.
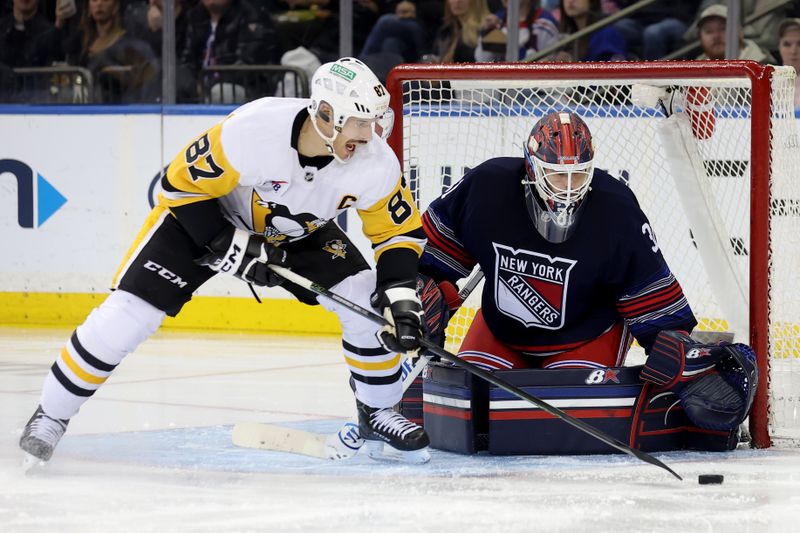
(31, 463)
(380, 451)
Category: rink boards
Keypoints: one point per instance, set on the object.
(103, 167)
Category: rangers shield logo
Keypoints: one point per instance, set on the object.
(531, 287)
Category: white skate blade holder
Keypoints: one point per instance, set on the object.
(380, 451)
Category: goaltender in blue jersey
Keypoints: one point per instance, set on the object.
(573, 273)
(572, 291)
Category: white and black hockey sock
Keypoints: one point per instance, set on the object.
(375, 370)
(110, 332)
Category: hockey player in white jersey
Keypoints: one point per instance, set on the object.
(263, 187)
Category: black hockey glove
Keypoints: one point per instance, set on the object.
(400, 305)
(245, 256)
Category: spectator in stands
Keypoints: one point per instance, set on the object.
(68, 15)
(227, 32)
(657, 29)
(457, 38)
(605, 44)
(124, 68)
(365, 15)
(398, 33)
(711, 30)
(763, 31)
(314, 25)
(27, 38)
(143, 21)
(789, 50)
(538, 29)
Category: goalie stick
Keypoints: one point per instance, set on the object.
(483, 374)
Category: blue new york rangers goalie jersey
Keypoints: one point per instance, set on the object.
(554, 297)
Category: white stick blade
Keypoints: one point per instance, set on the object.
(279, 438)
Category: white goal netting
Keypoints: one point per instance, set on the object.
(693, 174)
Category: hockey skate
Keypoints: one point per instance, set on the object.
(391, 436)
(40, 436)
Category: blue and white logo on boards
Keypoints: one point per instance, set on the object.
(37, 199)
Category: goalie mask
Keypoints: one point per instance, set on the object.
(357, 98)
(559, 164)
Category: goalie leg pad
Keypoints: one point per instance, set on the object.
(465, 414)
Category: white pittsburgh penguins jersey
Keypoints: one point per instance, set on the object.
(248, 163)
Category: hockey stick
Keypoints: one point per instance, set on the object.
(346, 442)
(469, 367)
(343, 444)
(472, 282)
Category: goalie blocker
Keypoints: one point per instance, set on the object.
(688, 396)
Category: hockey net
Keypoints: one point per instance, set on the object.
(709, 148)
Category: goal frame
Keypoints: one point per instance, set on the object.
(760, 78)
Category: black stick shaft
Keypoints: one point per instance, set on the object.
(483, 374)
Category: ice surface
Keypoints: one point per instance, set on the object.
(151, 452)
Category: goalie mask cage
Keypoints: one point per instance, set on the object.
(716, 169)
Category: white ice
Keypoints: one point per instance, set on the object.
(151, 452)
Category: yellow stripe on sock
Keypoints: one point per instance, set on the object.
(382, 365)
(81, 373)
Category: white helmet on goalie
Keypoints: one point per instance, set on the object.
(355, 96)
(559, 162)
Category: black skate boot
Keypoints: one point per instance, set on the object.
(41, 435)
(380, 427)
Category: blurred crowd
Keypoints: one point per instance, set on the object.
(119, 42)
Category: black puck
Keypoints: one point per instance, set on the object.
(710, 479)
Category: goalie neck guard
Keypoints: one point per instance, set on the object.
(353, 92)
(559, 164)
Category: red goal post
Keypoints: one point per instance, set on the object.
(734, 133)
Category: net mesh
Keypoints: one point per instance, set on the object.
(450, 126)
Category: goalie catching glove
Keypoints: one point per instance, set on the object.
(245, 256)
(716, 383)
(399, 304)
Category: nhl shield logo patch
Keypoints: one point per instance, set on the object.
(531, 287)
